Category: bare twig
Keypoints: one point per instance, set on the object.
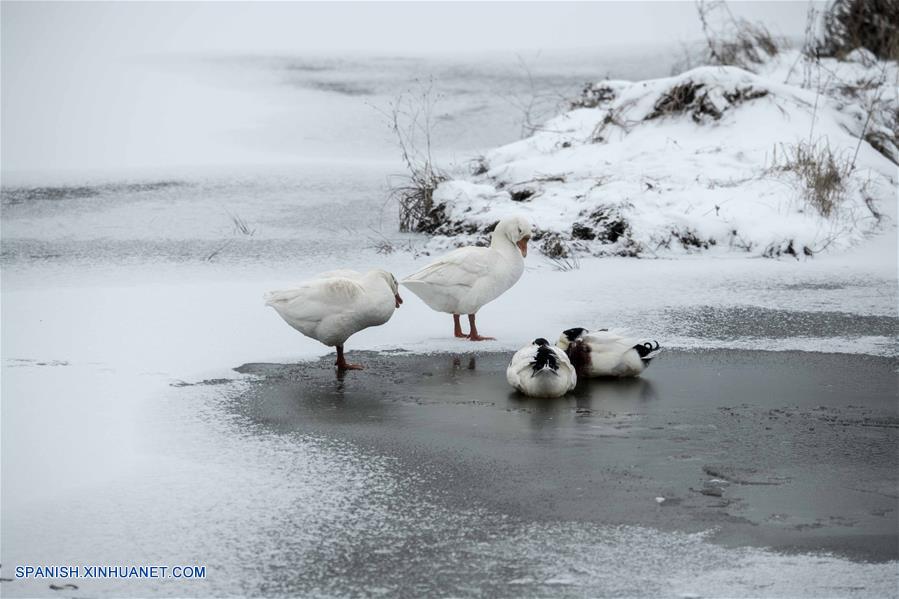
(737, 42)
(535, 105)
(873, 105)
(411, 118)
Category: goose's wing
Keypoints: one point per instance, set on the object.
(315, 299)
(460, 268)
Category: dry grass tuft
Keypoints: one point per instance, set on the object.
(553, 246)
(241, 227)
(565, 263)
(869, 24)
(734, 41)
(680, 98)
(411, 117)
(692, 97)
(592, 96)
(822, 173)
(415, 197)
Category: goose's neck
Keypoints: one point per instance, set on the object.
(503, 244)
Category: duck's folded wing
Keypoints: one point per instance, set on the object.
(512, 377)
(459, 268)
(566, 368)
(520, 361)
(608, 341)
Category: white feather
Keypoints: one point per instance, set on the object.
(542, 383)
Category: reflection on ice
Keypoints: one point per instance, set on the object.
(470, 364)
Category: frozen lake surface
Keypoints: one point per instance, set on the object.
(121, 292)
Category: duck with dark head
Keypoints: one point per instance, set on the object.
(541, 370)
(604, 353)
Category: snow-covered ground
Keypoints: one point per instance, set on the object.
(701, 161)
(118, 291)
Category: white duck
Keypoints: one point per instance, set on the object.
(462, 281)
(603, 353)
(541, 370)
(332, 306)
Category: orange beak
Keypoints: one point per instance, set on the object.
(398, 299)
(523, 246)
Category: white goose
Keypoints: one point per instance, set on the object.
(332, 306)
(541, 370)
(603, 353)
(462, 281)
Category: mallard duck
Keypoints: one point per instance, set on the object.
(334, 305)
(603, 353)
(541, 370)
(462, 281)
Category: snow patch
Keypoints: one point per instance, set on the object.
(696, 162)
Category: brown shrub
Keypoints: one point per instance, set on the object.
(870, 24)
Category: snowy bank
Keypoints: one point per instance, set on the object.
(783, 161)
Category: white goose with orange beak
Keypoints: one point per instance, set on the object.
(334, 305)
(466, 279)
